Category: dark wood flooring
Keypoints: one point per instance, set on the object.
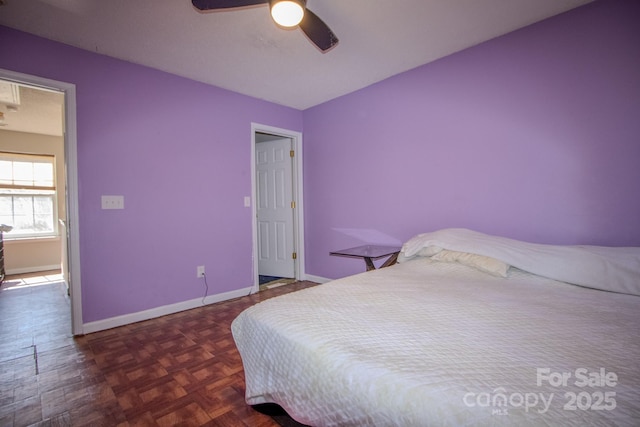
(181, 369)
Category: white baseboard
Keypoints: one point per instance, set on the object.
(114, 322)
(316, 279)
(26, 270)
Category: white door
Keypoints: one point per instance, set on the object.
(274, 206)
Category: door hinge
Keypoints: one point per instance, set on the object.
(291, 153)
(294, 255)
(293, 205)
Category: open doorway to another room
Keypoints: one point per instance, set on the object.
(35, 294)
(277, 206)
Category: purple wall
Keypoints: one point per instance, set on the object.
(179, 151)
(534, 135)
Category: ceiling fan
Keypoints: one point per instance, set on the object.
(286, 13)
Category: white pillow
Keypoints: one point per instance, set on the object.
(483, 263)
(429, 251)
(426, 251)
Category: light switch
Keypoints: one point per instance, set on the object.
(112, 202)
(247, 201)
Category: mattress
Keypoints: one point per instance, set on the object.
(427, 342)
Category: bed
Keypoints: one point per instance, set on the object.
(467, 329)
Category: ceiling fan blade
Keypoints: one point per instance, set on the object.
(317, 31)
(225, 4)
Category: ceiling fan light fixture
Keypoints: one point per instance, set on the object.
(287, 13)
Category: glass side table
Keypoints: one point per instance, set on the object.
(371, 252)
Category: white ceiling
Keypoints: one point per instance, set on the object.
(244, 51)
(29, 109)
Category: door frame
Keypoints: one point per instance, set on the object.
(298, 212)
(71, 172)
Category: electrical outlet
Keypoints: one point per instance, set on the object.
(200, 271)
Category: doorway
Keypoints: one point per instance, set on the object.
(277, 212)
(68, 226)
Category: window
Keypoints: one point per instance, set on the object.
(28, 195)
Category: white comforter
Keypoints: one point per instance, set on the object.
(434, 343)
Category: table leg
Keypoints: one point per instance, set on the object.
(369, 262)
(392, 260)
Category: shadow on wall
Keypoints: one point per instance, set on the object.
(367, 235)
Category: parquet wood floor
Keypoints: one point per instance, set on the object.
(181, 369)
